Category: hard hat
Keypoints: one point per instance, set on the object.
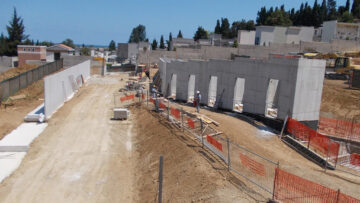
(154, 85)
(198, 92)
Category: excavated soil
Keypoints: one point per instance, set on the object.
(191, 173)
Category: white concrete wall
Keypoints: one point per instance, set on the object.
(246, 37)
(61, 86)
(306, 34)
(257, 74)
(328, 31)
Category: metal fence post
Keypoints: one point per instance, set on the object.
(284, 125)
(182, 119)
(147, 98)
(228, 146)
(201, 134)
(337, 196)
(168, 110)
(160, 179)
(274, 186)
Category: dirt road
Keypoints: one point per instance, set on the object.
(82, 156)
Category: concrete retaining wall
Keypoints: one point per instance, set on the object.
(298, 93)
(10, 86)
(60, 87)
(74, 60)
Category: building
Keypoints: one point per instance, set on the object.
(56, 51)
(131, 50)
(246, 37)
(265, 35)
(333, 30)
(181, 42)
(27, 53)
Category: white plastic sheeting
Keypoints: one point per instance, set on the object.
(61, 86)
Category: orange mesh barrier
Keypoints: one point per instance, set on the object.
(347, 199)
(214, 142)
(191, 123)
(252, 165)
(143, 96)
(339, 128)
(125, 98)
(355, 159)
(152, 100)
(162, 106)
(175, 112)
(320, 143)
(291, 188)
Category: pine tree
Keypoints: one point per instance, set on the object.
(355, 9)
(16, 30)
(162, 45)
(225, 28)
(168, 42)
(331, 9)
(138, 34)
(179, 34)
(154, 45)
(347, 5)
(3, 45)
(323, 11)
(112, 45)
(217, 27)
(201, 33)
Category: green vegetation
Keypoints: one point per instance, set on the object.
(138, 34)
(112, 45)
(69, 42)
(179, 34)
(162, 45)
(201, 33)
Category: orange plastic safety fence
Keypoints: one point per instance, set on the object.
(152, 100)
(355, 159)
(252, 165)
(347, 199)
(291, 188)
(125, 98)
(317, 141)
(214, 142)
(191, 123)
(340, 128)
(162, 106)
(143, 96)
(175, 112)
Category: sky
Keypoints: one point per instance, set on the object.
(98, 22)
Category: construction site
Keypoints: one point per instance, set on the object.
(269, 129)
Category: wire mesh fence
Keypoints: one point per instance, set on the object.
(345, 129)
(261, 171)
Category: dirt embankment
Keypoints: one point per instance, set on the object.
(16, 71)
(191, 173)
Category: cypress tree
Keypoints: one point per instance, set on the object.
(162, 45)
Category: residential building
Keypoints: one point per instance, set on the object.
(265, 35)
(246, 37)
(334, 30)
(56, 51)
(28, 53)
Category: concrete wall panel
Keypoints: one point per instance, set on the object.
(58, 88)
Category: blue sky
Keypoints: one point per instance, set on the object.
(98, 22)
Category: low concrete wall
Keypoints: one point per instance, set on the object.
(333, 46)
(61, 86)
(298, 93)
(10, 86)
(74, 60)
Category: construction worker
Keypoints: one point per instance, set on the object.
(155, 97)
(197, 100)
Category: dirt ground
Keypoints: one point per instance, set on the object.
(191, 173)
(16, 71)
(251, 136)
(82, 156)
(12, 116)
(340, 102)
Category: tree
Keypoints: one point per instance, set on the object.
(279, 18)
(347, 6)
(138, 34)
(162, 45)
(262, 16)
(168, 42)
(323, 11)
(16, 30)
(217, 27)
(154, 45)
(69, 42)
(112, 45)
(346, 17)
(179, 34)
(3, 44)
(331, 8)
(201, 33)
(355, 9)
(225, 28)
(241, 25)
(85, 51)
(235, 45)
